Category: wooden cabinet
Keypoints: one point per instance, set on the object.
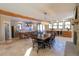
(62, 33)
(67, 33)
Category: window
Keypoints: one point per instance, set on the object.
(55, 25)
(61, 25)
(67, 25)
(19, 26)
(32, 26)
(50, 26)
(41, 27)
(38, 26)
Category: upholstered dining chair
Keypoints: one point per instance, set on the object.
(41, 44)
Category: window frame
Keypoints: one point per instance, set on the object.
(66, 25)
(59, 25)
(55, 24)
(50, 26)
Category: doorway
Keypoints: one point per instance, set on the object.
(6, 31)
(12, 31)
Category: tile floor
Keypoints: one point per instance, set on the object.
(24, 48)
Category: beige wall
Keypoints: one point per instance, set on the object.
(76, 28)
(0, 29)
(4, 19)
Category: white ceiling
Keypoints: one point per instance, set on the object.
(36, 10)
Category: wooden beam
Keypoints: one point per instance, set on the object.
(4, 12)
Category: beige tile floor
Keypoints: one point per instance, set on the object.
(24, 48)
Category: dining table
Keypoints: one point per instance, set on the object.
(44, 36)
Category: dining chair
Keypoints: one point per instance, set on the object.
(34, 40)
(47, 42)
(41, 44)
(52, 39)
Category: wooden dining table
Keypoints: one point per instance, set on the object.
(44, 36)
